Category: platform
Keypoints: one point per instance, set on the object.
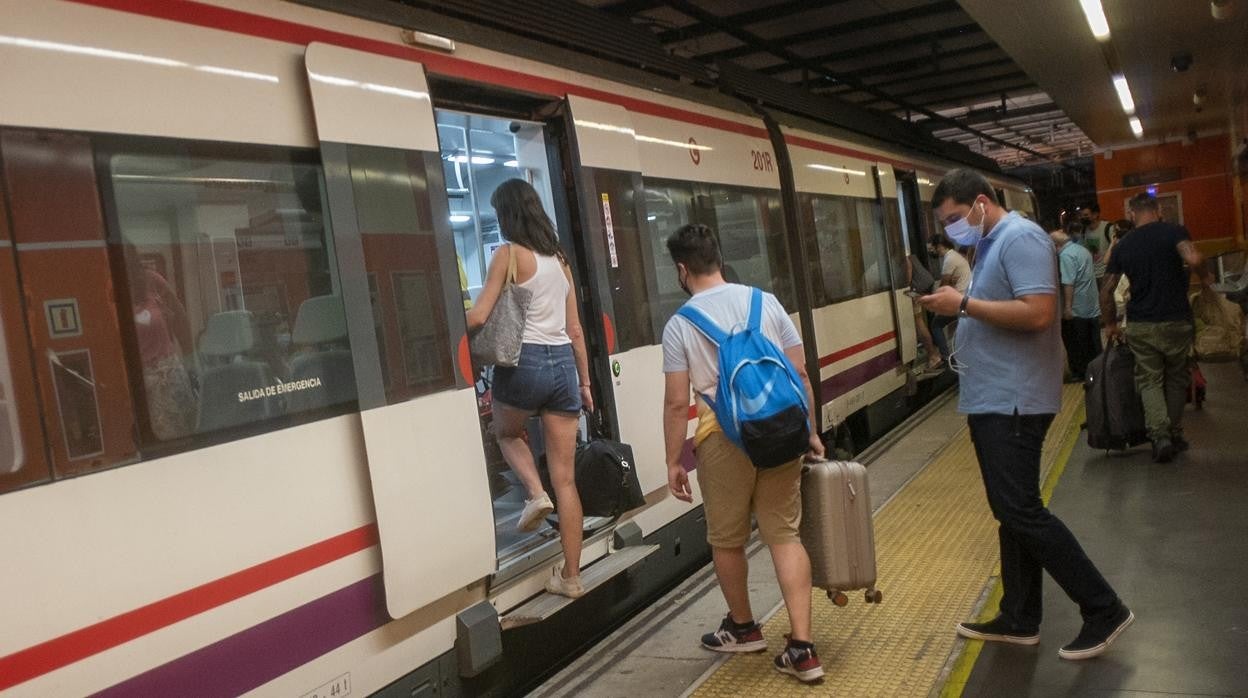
(1169, 537)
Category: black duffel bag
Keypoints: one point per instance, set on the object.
(605, 478)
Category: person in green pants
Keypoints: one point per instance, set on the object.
(1159, 318)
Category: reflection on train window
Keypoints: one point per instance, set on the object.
(896, 243)
(234, 311)
(405, 280)
(831, 234)
(750, 231)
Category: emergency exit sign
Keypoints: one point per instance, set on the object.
(63, 318)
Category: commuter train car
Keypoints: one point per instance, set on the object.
(244, 446)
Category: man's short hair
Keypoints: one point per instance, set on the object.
(1143, 202)
(697, 247)
(1059, 237)
(963, 186)
(1074, 227)
(1093, 206)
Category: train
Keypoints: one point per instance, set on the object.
(245, 449)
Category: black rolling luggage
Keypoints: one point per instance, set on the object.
(1114, 410)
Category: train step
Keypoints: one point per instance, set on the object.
(546, 604)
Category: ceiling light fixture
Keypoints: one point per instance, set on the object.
(1096, 19)
(1124, 93)
(1136, 127)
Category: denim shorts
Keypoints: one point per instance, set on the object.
(544, 381)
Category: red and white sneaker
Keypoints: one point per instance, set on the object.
(801, 662)
(733, 638)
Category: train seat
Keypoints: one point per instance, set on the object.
(232, 389)
(321, 325)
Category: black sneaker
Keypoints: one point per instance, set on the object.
(1163, 451)
(1179, 443)
(1095, 638)
(733, 637)
(801, 662)
(999, 630)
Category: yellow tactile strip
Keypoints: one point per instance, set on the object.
(936, 547)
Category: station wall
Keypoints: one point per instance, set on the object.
(1199, 172)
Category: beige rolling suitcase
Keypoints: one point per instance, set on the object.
(836, 529)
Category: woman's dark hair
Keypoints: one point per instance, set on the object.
(697, 247)
(942, 240)
(522, 219)
(963, 186)
(1121, 227)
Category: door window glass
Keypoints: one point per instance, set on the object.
(835, 249)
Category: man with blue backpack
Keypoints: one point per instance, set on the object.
(740, 352)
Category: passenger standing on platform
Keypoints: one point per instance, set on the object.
(1008, 346)
(1096, 237)
(732, 487)
(1159, 317)
(955, 271)
(1081, 312)
(552, 377)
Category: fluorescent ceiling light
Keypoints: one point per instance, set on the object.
(479, 160)
(1136, 127)
(843, 170)
(1124, 93)
(1096, 19)
(674, 144)
(511, 163)
(460, 218)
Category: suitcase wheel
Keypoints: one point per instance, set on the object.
(874, 596)
(838, 597)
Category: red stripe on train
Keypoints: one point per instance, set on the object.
(62, 651)
(849, 351)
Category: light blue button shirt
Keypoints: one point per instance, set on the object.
(1007, 370)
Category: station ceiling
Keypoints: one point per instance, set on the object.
(920, 60)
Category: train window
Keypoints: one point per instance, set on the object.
(750, 232)
(669, 205)
(896, 242)
(833, 247)
(874, 249)
(405, 283)
(630, 272)
(751, 236)
(230, 297)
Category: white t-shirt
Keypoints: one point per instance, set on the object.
(728, 305)
(955, 266)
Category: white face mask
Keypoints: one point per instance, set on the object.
(963, 233)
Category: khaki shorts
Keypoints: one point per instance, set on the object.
(732, 488)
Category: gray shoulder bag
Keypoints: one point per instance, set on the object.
(499, 339)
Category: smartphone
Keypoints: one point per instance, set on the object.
(912, 293)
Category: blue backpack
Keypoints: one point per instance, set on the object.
(761, 401)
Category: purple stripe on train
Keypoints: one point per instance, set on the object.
(851, 378)
(253, 657)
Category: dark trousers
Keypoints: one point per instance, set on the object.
(1032, 538)
(1082, 337)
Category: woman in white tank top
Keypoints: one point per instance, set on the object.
(552, 377)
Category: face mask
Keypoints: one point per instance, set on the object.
(683, 281)
(963, 233)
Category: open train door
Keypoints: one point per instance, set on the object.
(405, 321)
(612, 206)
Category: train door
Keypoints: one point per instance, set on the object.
(889, 256)
(404, 318)
(478, 153)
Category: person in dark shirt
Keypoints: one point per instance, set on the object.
(1159, 317)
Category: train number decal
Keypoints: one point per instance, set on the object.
(762, 160)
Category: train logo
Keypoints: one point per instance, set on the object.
(694, 153)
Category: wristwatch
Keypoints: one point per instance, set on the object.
(962, 306)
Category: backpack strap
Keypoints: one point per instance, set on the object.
(756, 310)
(703, 324)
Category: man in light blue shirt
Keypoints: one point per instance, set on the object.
(1081, 311)
(1008, 348)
